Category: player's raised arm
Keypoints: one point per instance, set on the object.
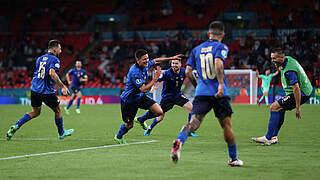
(161, 59)
(190, 75)
(219, 72)
(156, 74)
(57, 80)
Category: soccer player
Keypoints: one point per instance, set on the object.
(42, 90)
(79, 76)
(211, 91)
(133, 97)
(266, 79)
(298, 90)
(171, 95)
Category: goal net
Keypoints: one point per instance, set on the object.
(242, 87)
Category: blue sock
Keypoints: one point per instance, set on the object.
(78, 102)
(154, 123)
(59, 123)
(23, 120)
(147, 115)
(183, 136)
(277, 129)
(189, 117)
(233, 152)
(70, 103)
(122, 131)
(273, 123)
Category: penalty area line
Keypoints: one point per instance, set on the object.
(74, 150)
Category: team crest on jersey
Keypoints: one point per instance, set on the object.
(57, 65)
(138, 81)
(224, 53)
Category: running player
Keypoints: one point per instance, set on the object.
(133, 97)
(42, 90)
(171, 95)
(265, 85)
(298, 90)
(79, 76)
(211, 91)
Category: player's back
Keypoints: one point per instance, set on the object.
(42, 82)
(202, 58)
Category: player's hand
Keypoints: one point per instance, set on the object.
(65, 91)
(157, 73)
(178, 57)
(298, 113)
(220, 92)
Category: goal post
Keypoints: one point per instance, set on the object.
(242, 87)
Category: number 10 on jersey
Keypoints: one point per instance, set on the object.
(207, 66)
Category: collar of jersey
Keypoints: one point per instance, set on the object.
(284, 63)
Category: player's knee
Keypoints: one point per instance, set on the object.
(159, 113)
(129, 125)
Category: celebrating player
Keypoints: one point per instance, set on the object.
(211, 91)
(42, 90)
(266, 79)
(171, 95)
(298, 90)
(133, 97)
(79, 76)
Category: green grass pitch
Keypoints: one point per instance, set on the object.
(297, 155)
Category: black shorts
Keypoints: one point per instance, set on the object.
(221, 106)
(129, 110)
(50, 100)
(75, 90)
(289, 102)
(167, 104)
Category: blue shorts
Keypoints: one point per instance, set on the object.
(289, 102)
(75, 90)
(129, 110)
(50, 100)
(167, 104)
(221, 106)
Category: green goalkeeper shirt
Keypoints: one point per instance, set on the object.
(266, 80)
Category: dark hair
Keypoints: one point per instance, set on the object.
(139, 53)
(277, 50)
(216, 28)
(53, 43)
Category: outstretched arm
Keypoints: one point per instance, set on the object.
(57, 80)
(161, 59)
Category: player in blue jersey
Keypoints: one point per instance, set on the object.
(133, 97)
(211, 91)
(42, 90)
(171, 95)
(79, 76)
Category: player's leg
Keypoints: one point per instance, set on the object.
(128, 112)
(148, 104)
(188, 107)
(36, 103)
(73, 97)
(266, 97)
(79, 95)
(52, 101)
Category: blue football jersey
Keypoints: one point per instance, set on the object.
(172, 83)
(135, 79)
(42, 82)
(76, 75)
(202, 58)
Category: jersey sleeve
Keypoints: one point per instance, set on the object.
(162, 76)
(191, 60)
(260, 76)
(222, 52)
(85, 76)
(55, 64)
(137, 79)
(151, 63)
(70, 71)
(292, 77)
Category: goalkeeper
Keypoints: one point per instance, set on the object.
(171, 95)
(266, 79)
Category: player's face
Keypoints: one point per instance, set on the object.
(176, 65)
(267, 72)
(277, 59)
(143, 61)
(57, 50)
(78, 64)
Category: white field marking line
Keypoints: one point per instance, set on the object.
(80, 149)
(46, 139)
